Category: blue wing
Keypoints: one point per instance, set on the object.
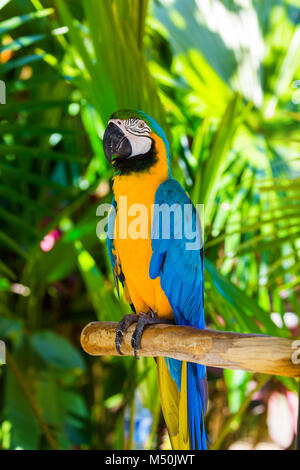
(114, 259)
(178, 259)
(178, 253)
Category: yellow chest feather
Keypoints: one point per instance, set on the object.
(135, 196)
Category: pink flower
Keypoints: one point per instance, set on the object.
(282, 417)
(49, 240)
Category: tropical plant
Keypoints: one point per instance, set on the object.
(221, 78)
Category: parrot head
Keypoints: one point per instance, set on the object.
(133, 141)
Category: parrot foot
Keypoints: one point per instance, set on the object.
(144, 320)
(123, 325)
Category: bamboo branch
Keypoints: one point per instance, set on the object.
(254, 353)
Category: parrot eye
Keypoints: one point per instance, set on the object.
(137, 127)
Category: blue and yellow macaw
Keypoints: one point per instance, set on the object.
(162, 279)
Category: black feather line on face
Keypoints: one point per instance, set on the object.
(137, 164)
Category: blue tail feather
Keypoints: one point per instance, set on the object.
(196, 405)
(196, 399)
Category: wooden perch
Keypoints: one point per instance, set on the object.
(254, 353)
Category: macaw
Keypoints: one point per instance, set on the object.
(162, 279)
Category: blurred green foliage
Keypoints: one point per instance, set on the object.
(222, 78)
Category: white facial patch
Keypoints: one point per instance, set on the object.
(137, 132)
(139, 145)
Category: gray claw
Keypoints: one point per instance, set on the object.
(123, 325)
(119, 337)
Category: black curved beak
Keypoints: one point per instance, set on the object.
(115, 143)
